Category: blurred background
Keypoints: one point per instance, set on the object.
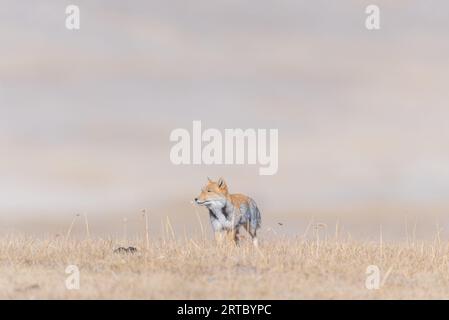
(85, 116)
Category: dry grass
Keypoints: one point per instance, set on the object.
(199, 269)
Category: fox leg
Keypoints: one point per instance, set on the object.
(219, 237)
(236, 236)
(233, 235)
(255, 242)
(253, 233)
(254, 238)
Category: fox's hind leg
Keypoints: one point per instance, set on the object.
(255, 241)
(254, 237)
(253, 233)
(253, 221)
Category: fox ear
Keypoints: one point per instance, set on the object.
(208, 179)
(221, 183)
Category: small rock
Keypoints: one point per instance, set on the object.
(125, 250)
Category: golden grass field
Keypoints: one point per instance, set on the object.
(282, 268)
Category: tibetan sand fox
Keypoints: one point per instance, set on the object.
(229, 212)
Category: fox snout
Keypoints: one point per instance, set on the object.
(198, 201)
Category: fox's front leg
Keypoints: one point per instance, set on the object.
(219, 236)
(233, 235)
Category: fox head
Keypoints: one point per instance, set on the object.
(213, 194)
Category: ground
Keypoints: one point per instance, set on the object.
(33, 268)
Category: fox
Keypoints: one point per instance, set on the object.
(229, 212)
